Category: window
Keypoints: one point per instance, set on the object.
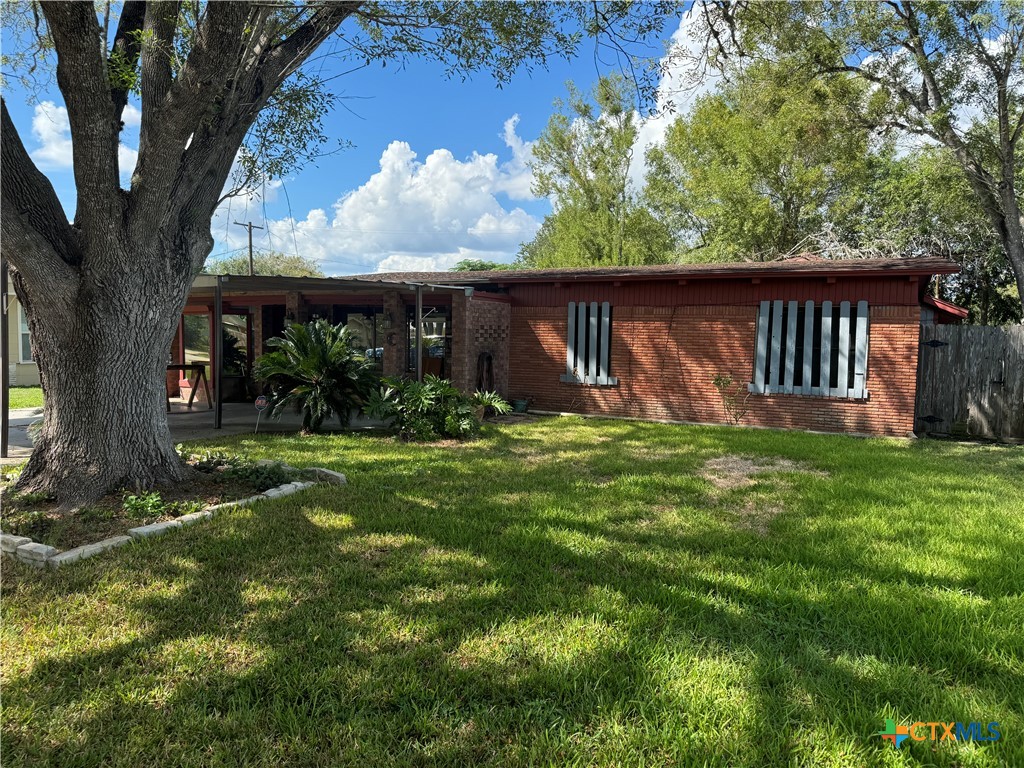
(24, 342)
(811, 350)
(588, 344)
(436, 333)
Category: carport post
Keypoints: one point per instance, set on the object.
(218, 351)
(419, 333)
(5, 383)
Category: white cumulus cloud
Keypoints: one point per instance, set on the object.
(411, 214)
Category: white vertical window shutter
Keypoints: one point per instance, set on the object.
(774, 377)
(761, 350)
(787, 383)
(842, 387)
(581, 341)
(588, 344)
(606, 340)
(860, 366)
(788, 350)
(826, 348)
(808, 373)
(570, 346)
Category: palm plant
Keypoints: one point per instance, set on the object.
(315, 369)
(431, 409)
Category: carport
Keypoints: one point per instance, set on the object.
(269, 303)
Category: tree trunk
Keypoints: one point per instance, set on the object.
(1013, 237)
(102, 364)
(1015, 254)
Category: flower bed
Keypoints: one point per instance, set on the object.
(37, 532)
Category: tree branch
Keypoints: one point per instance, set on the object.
(156, 76)
(1018, 128)
(82, 79)
(124, 52)
(248, 92)
(289, 54)
(171, 116)
(37, 238)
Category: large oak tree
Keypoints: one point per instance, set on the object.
(103, 293)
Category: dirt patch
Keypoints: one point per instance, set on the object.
(755, 512)
(756, 517)
(729, 472)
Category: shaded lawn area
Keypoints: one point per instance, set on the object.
(565, 592)
(25, 397)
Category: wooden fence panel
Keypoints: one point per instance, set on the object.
(971, 381)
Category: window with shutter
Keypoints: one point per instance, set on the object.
(588, 344)
(809, 349)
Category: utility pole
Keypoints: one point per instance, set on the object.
(249, 226)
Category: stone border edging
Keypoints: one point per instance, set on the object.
(40, 555)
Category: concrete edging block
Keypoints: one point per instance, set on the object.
(153, 529)
(9, 543)
(87, 550)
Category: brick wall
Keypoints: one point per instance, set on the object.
(296, 307)
(480, 325)
(666, 357)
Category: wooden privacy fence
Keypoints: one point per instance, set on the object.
(971, 382)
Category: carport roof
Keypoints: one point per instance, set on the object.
(233, 285)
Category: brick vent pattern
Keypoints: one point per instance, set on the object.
(480, 326)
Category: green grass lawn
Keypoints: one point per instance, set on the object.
(566, 592)
(26, 397)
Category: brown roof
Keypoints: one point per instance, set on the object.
(801, 265)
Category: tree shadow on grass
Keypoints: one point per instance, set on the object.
(435, 622)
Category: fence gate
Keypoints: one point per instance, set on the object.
(971, 382)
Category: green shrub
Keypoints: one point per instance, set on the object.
(432, 409)
(262, 476)
(95, 514)
(26, 498)
(225, 466)
(315, 369)
(143, 505)
(179, 508)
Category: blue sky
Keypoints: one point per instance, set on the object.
(437, 171)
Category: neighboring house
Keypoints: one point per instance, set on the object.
(22, 369)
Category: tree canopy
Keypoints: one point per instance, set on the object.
(759, 165)
(581, 162)
(478, 265)
(265, 263)
(950, 73)
(920, 203)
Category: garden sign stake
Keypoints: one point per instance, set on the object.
(261, 404)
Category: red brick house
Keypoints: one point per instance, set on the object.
(648, 342)
(818, 344)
